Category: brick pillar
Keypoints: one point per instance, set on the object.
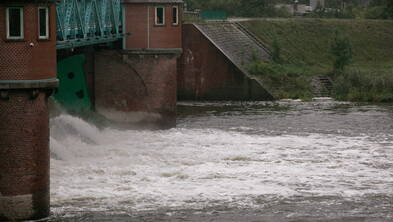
(27, 78)
(142, 86)
(24, 153)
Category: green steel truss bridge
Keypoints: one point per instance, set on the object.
(88, 22)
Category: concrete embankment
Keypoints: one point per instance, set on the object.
(213, 64)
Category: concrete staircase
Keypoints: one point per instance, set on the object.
(236, 43)
(252, 36)
(322, 86)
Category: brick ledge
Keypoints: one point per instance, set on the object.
(157, 51)
(29, 84)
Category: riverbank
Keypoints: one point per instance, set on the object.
(305, 51)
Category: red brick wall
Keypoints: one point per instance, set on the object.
(145, 34)
(24, 117)
(24, 156)
(205, 73)
(136, 84)
(20, 61)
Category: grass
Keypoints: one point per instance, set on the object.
(285, 81)
(306, 45)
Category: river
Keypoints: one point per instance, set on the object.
(229, 161)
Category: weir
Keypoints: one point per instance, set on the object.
(99, 67)
(126, 78)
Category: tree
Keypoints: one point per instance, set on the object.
(276, 51)
(389, 9)
(245, 8)
(342, 51)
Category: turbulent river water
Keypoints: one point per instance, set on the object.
(229, 161)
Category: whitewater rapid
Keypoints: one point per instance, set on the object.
(187, 167)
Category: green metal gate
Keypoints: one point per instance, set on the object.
(72, 93)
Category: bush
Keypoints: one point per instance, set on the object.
(276, 51)
(364, 86)
(375, 12)
(342, 52)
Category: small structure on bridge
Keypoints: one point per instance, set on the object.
(27, 79)
(154, 24)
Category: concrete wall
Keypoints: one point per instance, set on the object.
(145, 34)
(136, 88)
(38, 62)
(206, 74)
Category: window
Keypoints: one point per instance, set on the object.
(160, 15)
(43, 21)
(14, 17)
(175, 15)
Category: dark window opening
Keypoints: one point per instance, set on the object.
(43, 23)
(175, 16)
(160, 16)
(14, 23)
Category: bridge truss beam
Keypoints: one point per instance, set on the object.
(88, 22)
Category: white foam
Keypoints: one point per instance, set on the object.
(194, 167)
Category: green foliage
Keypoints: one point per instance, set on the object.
(276, 51)
(389, 9)
(306, 51)
(378, 9)
(285, 81)
(342, 51)
(244, 8)
(364, 86)
(309, 41)
(255, 57)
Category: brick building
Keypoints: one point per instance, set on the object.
(153, 24)
(27, 78)
(142, 87)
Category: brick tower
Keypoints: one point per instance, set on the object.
(27, 79)
(143, 79)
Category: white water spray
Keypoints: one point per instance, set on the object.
(192, 168)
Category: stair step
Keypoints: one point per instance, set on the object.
(322, 86)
